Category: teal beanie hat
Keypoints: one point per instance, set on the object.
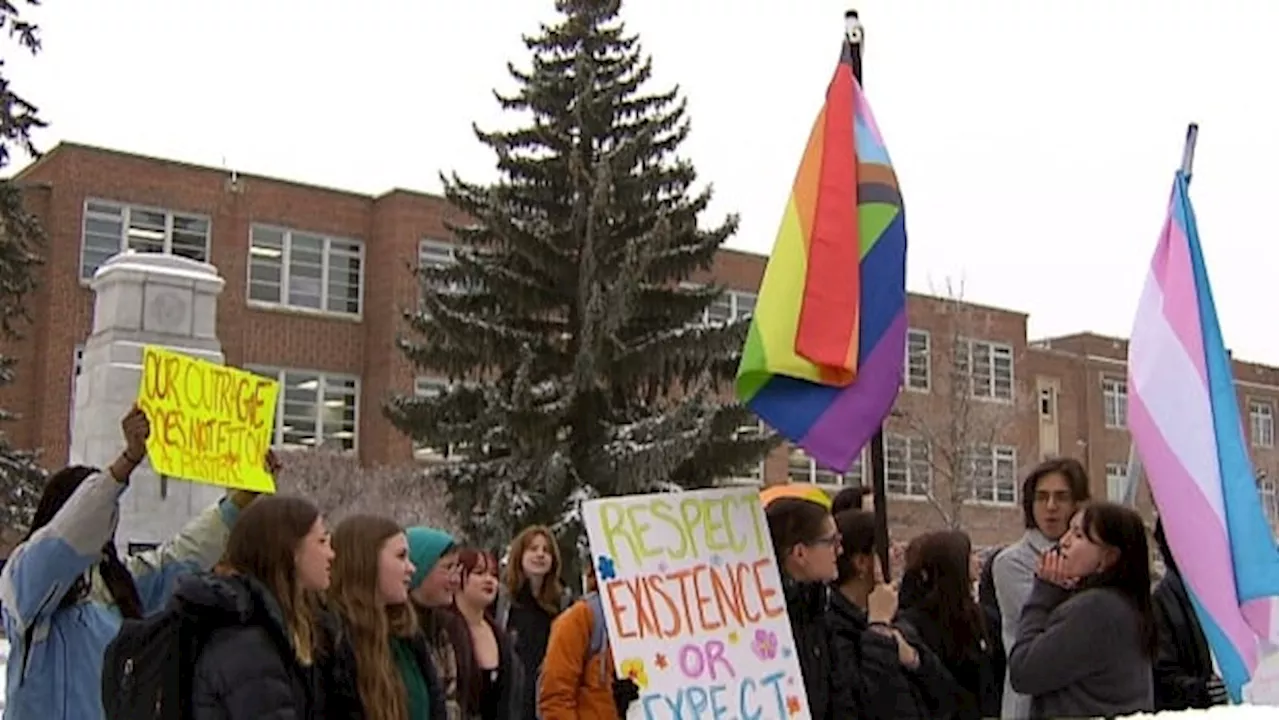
(426, 545)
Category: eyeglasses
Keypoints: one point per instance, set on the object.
(1059, 497)
(831, 540)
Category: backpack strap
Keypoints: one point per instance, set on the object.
(599, 631)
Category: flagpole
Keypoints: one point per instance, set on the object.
(853, 35)
(1134, 472)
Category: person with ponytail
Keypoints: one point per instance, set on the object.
(383, 668)
(64, 590)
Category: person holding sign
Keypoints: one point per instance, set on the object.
(807, 544)
(64, 590)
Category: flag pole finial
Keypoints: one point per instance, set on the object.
(852, 27)
(1189, 149)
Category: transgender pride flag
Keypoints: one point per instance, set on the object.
(1187, 428)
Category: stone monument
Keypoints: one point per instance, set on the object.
(142, 299)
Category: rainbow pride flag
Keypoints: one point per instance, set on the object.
(823, 359)
(1186, 425)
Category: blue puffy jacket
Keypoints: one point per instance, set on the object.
(55, 654)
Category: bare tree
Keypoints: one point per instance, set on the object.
(341, 486)
(973, 408)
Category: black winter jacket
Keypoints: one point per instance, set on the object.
(970, 669)
(807, 605)
(247, 668)
(528, 626)
(1183, 666)
(867, 662)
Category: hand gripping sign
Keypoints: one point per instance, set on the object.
(694, 605)
(210, 423)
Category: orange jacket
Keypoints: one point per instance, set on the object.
(569, 688)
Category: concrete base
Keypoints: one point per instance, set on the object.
(142, 299)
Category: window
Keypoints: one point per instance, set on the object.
(1115, 402)
(1267, 491)
(1117, 481)
(429, 387)
(111, 228)
(315, 409)
(77, 366)
(989, 367)
(992, 471)
(753, 432)
(1262, 424)
(1048, 404)
(296, 269)
(802, 468)
(731, 305)
(435, 253)
(908, 469)
(918, 361)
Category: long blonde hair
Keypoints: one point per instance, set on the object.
(262, 546)
(357, 545)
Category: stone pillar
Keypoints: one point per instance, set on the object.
(142, 299)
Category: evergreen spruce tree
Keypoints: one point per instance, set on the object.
(567, 322)
(21, 479)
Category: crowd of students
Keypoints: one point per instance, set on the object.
(255, 610)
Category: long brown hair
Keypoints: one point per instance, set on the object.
(548, 596)
(357, 545)
(470, 674)
(262, 546)
(939, 567)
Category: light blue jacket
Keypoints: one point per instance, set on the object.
(1014, 574)
(55, 656)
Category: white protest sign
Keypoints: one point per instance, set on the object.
(694, 605)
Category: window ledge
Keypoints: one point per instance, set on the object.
(907, 498)
(993, 504)
(305, 312)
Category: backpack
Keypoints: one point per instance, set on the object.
(147, 669)
(599, 637)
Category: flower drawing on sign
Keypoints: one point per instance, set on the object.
(793, 705)
(660, 661)
(633, 670)
(765, 645)
(605, 568)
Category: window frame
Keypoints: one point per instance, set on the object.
(1115, 392)
(735, 314)
(1259, 411)
(815, 475)
(911, 444)
(995, 348)
(926, 356)
(277, 431)
(126, 211)
(286, 257)
(1120, 478)
(992, 482)
(425, 454)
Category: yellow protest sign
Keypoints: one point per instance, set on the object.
(209, 423)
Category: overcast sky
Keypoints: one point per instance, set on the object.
(1035, 141)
